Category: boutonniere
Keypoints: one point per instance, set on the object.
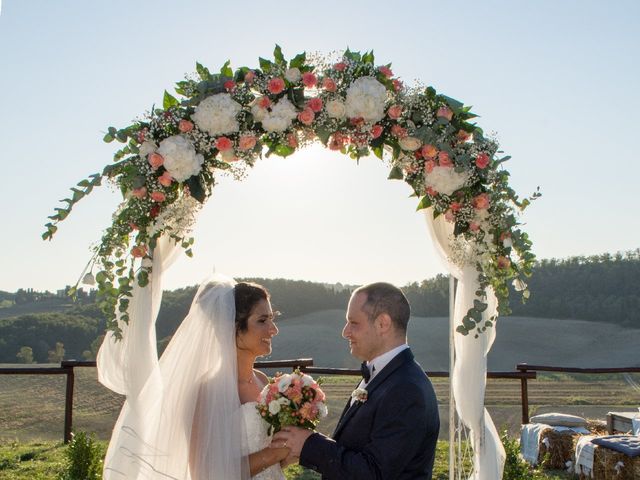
(360, 395)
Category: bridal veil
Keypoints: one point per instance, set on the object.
(186, 422)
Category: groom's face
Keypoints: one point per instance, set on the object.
(364, 341)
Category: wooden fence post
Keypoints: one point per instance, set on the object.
(524, 394)
(68, 405)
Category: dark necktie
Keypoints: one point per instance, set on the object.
(366, 374)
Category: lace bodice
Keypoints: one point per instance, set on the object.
(258, 439)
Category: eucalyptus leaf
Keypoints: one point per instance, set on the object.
(396, 173)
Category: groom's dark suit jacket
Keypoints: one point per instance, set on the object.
(392, 435)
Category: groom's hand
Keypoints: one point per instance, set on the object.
(292, 438)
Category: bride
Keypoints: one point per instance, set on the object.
(203, 424)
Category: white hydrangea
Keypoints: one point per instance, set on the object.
(280, 116)
(445, 180)
(366, 98)
(146, 148)
(336, 109)
(293, 75)
(180, 157)
(217, 114)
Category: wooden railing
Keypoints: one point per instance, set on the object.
(525, 372)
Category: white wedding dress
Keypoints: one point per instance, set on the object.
(257, 439)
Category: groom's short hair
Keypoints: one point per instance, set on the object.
(386, 298)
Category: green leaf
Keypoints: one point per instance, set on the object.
(169, 101)
(396, 173)
(455, 105)
(226, 70)
(479, 306)
(283, 150)
(108, 138)
(196, 189)
(277, 54)
(368, 57)
(425, 202)
(265, 65)
(203, 72)
(323, 134)
(298, 60)
(378, 151)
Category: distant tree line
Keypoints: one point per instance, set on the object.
(604, 288)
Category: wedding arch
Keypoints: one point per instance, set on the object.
(224, 122)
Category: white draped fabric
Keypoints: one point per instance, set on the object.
(469, 374)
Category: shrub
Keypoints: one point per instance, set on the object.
(84, 458)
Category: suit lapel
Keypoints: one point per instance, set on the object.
(350, 410)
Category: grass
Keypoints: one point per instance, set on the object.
(46, 461)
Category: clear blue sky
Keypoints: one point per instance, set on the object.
(556, 80)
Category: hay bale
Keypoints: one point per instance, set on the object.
(597, 427)
(611, 465)
(556, 448)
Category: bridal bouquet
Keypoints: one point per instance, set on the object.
(292, 399)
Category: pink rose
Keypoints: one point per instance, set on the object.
(429, 151)
(229, 85)
(474, 227)
(165, 179)
(275, 85)
(340, 66)
(155, 160)
(386, 71)
(356, 121)
(505, 235)
(223, 144)
(449, 216)
(444, 160)
(376, 131)
(306, 116)
(455, 206)
(397, 85)
(329, 84)
(249, 77)
(503, 262)
(292, 140)
(398, 131)
(309, 79)
(247, 142)
(429, 165)
(481, 202)
(139, 192)
(185, 126)
(394, 112)
(482, 161)
(157, 196)
(315, 104)
(431, 191)
(445, 112)
(264, 102)
(139, 251)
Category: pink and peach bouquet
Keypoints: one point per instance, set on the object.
(292, 399)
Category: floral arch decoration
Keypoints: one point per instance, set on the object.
(226, 121)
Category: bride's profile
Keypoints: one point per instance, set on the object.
(202, 424)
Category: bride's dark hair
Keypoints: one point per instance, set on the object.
(247, 295)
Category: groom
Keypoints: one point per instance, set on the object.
(389, 429)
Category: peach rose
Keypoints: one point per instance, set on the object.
(315, 104)
(157, 196)
(394, 112)
(431, 191)
(275, 85)
(185, 126)
(482, 161)
(309, 79)
(410, 144)
(329, 84)
(386, 71)
(455, 206)
(398, 131)
(474, 227)
(155, 160)
(336, 142)
(223, 144)
(376, 131)
(340, 66)
(306, 116)
(247, 142)
(429, 151)
(481, 202)
(463, 136)
(429, 165)
(292, 140)
(444, 160)
(449, 216)
(139, 192)
(445, 112)
(139, 251)
(249, 77)
(165, 179)
(142, 135)
(397, 85)
(503, 262)
(264, 102)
